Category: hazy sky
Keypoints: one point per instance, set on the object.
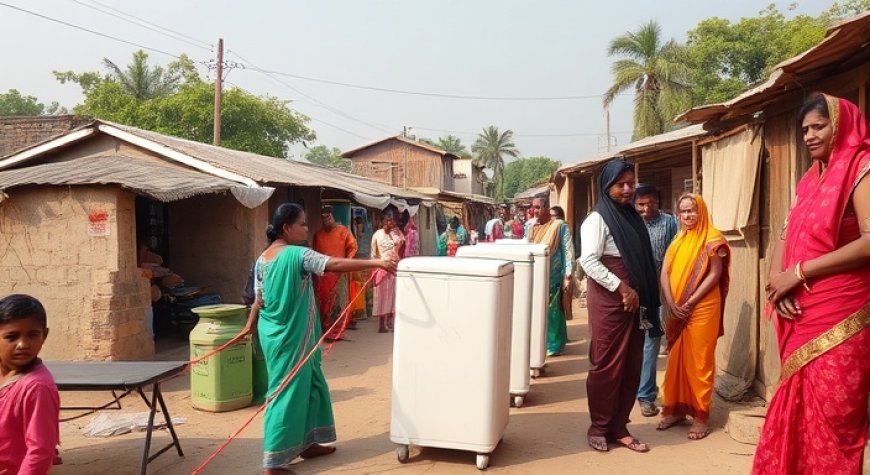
(507, 48)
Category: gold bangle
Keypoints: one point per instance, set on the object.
(799, 272)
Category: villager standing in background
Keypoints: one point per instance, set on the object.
(388, 242)
(554, 234)
(332, 289)
(662, 228)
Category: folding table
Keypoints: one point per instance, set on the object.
(125, 376)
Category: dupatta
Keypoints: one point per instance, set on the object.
(687, 261)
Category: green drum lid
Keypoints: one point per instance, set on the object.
(223, 310)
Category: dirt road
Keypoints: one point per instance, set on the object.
(546, 435)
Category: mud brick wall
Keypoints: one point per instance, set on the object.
(17, 133)
(74, 249)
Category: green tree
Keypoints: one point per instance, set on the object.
(490, 148)
(657, 73)
(452, 144)
(143, 81)
(522, 174)
(14, 103)
(265, 125)
(725, 58)
(328, 157)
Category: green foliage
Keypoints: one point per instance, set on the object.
(328, 157)
(656, 70)
(452, 144)
(14, 103)
(180, 103)
(490, 148)
(726, 58)
(522, 174)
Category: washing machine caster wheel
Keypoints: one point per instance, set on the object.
(403, 453)
(482, 461)
(518, 401)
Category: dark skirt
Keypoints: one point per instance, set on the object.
(615, 356)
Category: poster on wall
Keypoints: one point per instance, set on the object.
(98, 223)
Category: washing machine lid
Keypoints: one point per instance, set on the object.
(537, 250)
(463, 266)
(492, 251)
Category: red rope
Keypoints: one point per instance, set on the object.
(285, 382)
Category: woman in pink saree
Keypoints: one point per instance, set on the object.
(387, 243)
(820, 287)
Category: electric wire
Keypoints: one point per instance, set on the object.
(147, 27)
(77, 27)
(204, 44)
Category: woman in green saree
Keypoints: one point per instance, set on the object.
(299, 420)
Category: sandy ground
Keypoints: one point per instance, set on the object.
(546, 435)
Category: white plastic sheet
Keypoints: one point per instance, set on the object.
(107, 425)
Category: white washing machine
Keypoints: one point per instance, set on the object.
(540, 300)
(451, 354)
(523, 261)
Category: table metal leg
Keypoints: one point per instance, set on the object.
(145, 459)
(157, 398)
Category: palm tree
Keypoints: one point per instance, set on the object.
(489, 150)
(658, 74)
(142, 81)
(452, 144)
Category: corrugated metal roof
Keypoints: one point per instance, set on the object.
(161, 182)
(533, 192)
(845, 42)
(642, 146)
(400, 138)
(270, 170)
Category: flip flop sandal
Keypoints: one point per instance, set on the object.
(598, 443)
(636, 446)
(698, 435)
(665, 425)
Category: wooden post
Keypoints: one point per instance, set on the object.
(636, 173)
(218, 91)
(695, 187)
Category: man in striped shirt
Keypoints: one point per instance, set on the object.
(662, 228)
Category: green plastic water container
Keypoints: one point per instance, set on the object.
(223, 382)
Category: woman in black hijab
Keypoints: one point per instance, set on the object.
(623, 302)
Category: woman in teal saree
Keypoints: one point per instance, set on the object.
(299, 420)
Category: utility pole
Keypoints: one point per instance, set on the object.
(607, 112)
(405, 155)
(218, 91)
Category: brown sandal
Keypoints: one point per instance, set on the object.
(635, 445)
(597, 442)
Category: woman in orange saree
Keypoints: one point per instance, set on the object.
(694, 282)
(819, 285)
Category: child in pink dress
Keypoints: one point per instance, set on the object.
(29, 401)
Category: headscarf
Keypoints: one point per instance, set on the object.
(632, 239)
(814, 226)
(687, 260)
